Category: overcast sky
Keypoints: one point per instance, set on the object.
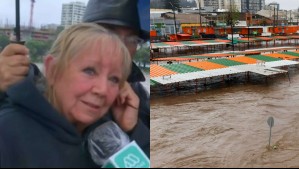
(45, 11)
(49, 11)
(286, 4)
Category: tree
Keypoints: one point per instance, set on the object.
(38, 49)
(142, 56)
(232, 15)
(264, 22)
(4, 41)
(232, 19)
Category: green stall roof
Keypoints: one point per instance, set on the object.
(226, 62)
(181, 68)
(263, 58)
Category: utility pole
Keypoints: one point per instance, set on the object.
(277, 15)
(291, 17)
(275, 23)
(231, 25)
(31, 15)
(286, 18)
(274, 20)
(248, 27)
(199, 12)
(175, 28)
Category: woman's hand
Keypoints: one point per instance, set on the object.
(14, 65)
(125, 109)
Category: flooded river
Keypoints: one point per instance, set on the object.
(227, 127)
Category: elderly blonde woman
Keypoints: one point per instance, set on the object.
(86, 72)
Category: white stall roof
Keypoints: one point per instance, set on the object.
(196, 75)
(265, 69)
(281, 63)
(180, 77)
(260, 69)
(223, 71)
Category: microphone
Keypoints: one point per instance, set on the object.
(110, 147)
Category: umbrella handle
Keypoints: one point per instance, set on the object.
(18, 29)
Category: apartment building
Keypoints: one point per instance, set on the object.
(252, 6)
(72, 13)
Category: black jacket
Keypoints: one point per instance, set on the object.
(134, 79)
(33, 134)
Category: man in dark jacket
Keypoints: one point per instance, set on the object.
(121, 17)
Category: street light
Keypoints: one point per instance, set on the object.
(175, 28)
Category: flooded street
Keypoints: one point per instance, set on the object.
(227, 127)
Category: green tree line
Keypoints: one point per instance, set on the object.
(37, 49)
(142, 57)
(4, 41)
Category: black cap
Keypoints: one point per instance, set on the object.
(115, 12)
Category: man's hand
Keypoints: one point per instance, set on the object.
(14, 65)
(125, 109)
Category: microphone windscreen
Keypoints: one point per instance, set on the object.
(106, 140)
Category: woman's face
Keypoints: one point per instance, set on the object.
(89, 86)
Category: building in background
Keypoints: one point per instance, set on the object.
(253, 6)
(217, 5)
(236, 4)
(272, 5)
(27, 34)
(72, 13)
(51, 27)
(213, 4)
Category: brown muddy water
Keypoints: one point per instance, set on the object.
(227, 127)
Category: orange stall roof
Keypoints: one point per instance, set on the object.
(156, 71)
(281, 56)
(244, 59)
(205, 65)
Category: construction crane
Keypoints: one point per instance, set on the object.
(31, 15)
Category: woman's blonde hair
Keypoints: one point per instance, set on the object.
(79, 37)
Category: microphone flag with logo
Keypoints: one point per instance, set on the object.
(110, 147)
